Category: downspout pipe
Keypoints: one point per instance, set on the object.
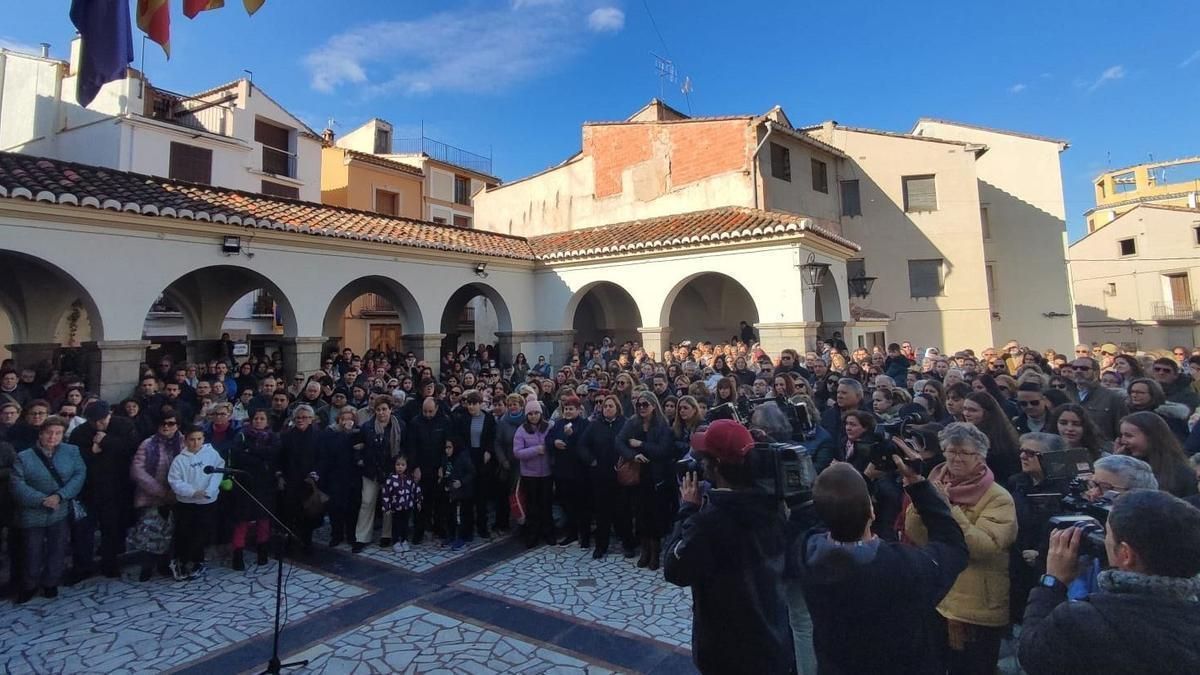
(754, 159)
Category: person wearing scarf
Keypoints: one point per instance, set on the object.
(153, 497)
(975, 611)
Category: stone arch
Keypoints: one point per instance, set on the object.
(204, 297)
(454, 306)
(707, 306)
(37, 294)
(401, 300)
(603, 308)
(828, 307)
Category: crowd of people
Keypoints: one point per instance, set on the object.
(398, 453)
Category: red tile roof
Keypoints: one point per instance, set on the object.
(382, 161)
(731, 223)
(57, 182)
(54, 181)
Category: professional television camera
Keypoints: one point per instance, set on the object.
(882, 447)
(794, 408)
(783, 471)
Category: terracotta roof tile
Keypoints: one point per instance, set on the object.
(731, 223)
(40, 179)
(382, 161)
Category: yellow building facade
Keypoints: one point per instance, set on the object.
(1171, 183)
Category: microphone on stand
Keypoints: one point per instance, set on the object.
(224, 471)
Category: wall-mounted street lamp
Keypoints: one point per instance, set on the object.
(481, 270)
(814, 272)
(231, 245)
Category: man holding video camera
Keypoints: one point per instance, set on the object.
(730, 551)
(1146, 616)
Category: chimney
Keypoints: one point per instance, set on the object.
(76, 55)
(827, 128)
(327, 137)
(45, 50)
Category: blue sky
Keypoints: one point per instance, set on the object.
(517, 77)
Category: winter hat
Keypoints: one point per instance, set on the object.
(96, 411)
(533, 407)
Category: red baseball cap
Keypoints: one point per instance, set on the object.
(724, 440)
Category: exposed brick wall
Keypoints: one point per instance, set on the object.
(613, 149)
(703, 149)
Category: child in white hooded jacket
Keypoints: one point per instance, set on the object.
(195, 503)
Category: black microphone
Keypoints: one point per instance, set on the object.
(224, 471)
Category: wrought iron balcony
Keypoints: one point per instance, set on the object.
(1175, 312)
(443, 153)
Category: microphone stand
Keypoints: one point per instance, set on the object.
(274, 667)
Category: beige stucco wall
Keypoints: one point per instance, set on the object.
(1020, 185)
(1138, 281)
(798, 196)
(961, 317)
(353, 184)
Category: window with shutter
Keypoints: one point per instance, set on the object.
(925, 278)
(462, 190)
(820, 176)
(920, 194)
(851, 205)
(387, 203)
(191, 163)
(462, 221)
(277, 190)
(781, 162)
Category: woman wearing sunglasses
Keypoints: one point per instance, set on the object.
(153, 497)
(647, 440)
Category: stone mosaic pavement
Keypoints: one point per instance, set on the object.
(430, 554)
(416, 640)
(124, 626)
(611, 592)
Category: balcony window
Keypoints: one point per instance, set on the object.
(462, 190)
(276, 144)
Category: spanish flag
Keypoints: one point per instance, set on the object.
(193, 7)
(154, 18)
(253, 6)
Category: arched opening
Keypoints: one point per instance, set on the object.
(44, 312)
(473, 315)
(188, 320)
(373, 313)
(707, 306)
(603, 309)
(827, 310)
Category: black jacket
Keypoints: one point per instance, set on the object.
(731, 553)
(1135, 630)
(107, 485)
(258, 456)
(873, 612)
(567, 464)
(339, 464)
(460, 430)
(426, 443)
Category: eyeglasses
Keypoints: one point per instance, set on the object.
(643, 404)
(1105, 487)
(1082, 369)
(1060, 386)
(456, 393)
(959, 453)
(169, 424)
(1029, 452)
(1030, 404)
(1082, 351)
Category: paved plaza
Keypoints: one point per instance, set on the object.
(492, 607)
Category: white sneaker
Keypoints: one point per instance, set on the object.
(406, 546)
(398, 547)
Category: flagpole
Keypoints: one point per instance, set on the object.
(142, 79)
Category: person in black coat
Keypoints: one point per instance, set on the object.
(425, 446)
(474, 428)
(570, 473)
(107, 444)
(647, 439)
(1145, 617)
(341, 471)
(861, 590)
(299, 449)
(597, 450)
(730, 550)
(255, 450)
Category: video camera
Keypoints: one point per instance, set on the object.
(795, 408)
(882, 447)
(1074, 509)
(783, 471)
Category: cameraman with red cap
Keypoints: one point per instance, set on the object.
(729, 548)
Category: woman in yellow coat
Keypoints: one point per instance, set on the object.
(975, 610)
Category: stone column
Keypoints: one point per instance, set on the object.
(34, 354)
(656, 340)
(302, 355)
(426, 347)
(776, 337)
(114, 366)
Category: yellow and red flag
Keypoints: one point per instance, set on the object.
(154, 18)
(253, 6)
(193, 7)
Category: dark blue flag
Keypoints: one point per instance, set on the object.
(107, 44)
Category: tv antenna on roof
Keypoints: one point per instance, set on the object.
(666, 73)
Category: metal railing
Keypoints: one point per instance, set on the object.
(443, 153)
(1174, 311)
(278, 162)
(212, 116)
(376, 305)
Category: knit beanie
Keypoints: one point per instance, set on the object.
(533, 407)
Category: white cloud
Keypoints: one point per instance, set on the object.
(1018, 88)
(18, 46)
(1192, 58)
(606, 20)
(1110, 74)
(465, 50)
